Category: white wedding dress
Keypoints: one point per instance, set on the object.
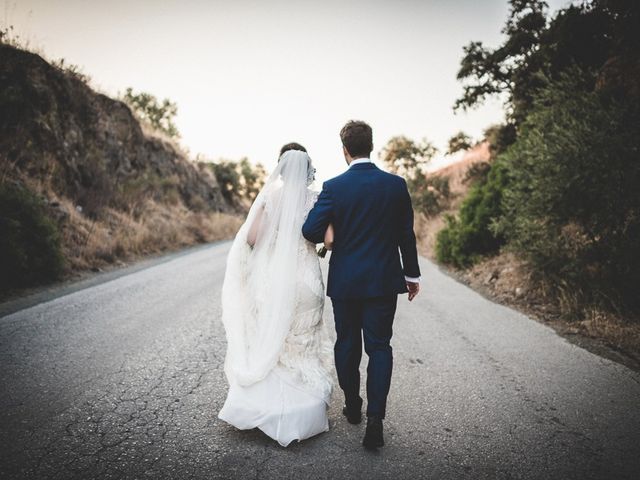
(278, 351)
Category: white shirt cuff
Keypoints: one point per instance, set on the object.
(412, 279)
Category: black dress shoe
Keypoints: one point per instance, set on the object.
(353, 416)
(373, 436)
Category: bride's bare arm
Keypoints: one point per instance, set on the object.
(252, 235)
(328, 237)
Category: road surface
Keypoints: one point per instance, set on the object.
(124, 379)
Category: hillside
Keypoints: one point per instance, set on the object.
(460, 181)
(107, 186)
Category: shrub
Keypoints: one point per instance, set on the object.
(572, 206)
(30, 251)
(468, 237)
(477, 173)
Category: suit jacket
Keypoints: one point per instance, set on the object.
(373, 221)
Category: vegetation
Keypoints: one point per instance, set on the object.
(159, 114)
(238, 180)
(561, 190)
(468, 236)
(459, 142)
(572, 205)
(408, 158)
(82, 183)
(30, 247)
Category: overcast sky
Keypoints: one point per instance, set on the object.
(249, 76)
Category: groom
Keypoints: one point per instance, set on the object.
(371, 213)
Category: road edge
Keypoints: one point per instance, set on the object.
(35, 296)
(593, 345)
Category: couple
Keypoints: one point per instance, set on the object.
(278, 350)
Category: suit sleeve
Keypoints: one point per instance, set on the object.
(319, 218)
(407, 241)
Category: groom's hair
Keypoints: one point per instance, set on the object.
(357, 138)
(292, 146)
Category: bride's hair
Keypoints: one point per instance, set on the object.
(292, 146)
(296, 147)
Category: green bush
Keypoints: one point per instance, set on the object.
(30, 251)
(469, 236)
(572, 206)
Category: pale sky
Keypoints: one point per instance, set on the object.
(249, 76)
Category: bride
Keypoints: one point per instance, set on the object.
(278, 351)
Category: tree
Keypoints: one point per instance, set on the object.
(238, 180)
(460, 141)
(253, 178)
(429, 193)
(534, 51)
(499, 136)
(159, 114)
(228, 177)
(406, 157)
(562, 187)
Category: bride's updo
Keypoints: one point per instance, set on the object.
(292, 146)
(311, 171)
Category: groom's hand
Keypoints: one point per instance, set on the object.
(413, 288)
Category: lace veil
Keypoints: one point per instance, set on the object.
(259, 288)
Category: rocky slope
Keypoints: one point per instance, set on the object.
(112, 187)
(89, 147)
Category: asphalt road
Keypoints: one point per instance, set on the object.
(124, 379)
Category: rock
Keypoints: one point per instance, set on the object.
(492, 277)
(519, 292)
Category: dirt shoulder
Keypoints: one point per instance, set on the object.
(505, 280)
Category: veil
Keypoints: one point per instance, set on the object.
(259, 287)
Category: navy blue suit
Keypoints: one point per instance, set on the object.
(373, 221)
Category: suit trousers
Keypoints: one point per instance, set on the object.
(371, 318)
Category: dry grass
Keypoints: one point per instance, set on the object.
(427, 229)
(118, 236)
(621, 334)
